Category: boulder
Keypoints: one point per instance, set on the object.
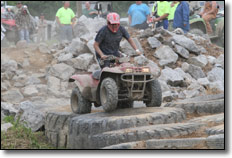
(164, 86)
(146, 33)
(9, 65)
(5, 127)
(8, 109)
(32, 80)
(166, 55)
(200, 61)
(216, 74)
(126, 48)
(211, 59)
(12, 96)
(61, 71)
(65, 57)
(53, 85)
(83, 61)
(155, 70)
(141, 60)
(21, 44)
(43, 48)
(153, 42)
(186, 43)
(94, 67)
(217, 86)
(76, 47)
(90, 46)
(203, 81)
(42, 88)
(30, 117)
(185, 67)
(169, 96)
(182, 51)
(191, 93)
(220, 60)
(30, 91)
(171, 77)
(196, 72)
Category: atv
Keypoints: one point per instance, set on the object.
(198, 27)
(115, 87)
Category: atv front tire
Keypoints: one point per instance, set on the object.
(79, 104)
(155, 94)
(109, 94)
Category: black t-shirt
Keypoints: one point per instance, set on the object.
(109, 42)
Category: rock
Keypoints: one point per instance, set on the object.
(153, 42)
(30, 91)
(32, 80)
(211, 59)
(53, 85)
(185, 67)
(191, 93)
(220, 60)
(217, 86)
(12, 96)
(42, 88)
(43, 48)
(186, 43)
(166, 55)
(8, 109)
(21, 44)
(146, 33)
(83, 61)
(196, 72)
(169, 96)
(216, 74)
(195, 86)
(164, 86)
(182, 51)
(171, 77)
(200, 61)
(61, 71)
(203, 81)
(216, 142)
(90, 46)
(76, 47)
(126, 48)
(65, 57)
(202, 50)
(178, 31)
(5, 127)
(94, 67)
(30, 117)
(26, 63)
(155, 70)
(9, 65)
(141, 60)
(5, 85)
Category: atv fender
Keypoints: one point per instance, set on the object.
(86, 84)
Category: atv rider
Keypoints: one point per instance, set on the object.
(108, 39)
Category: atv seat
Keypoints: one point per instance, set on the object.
(97, 74)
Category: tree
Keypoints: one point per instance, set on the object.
(79, 8)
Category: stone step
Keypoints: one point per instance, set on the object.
(215, 142)
(215, 130)
(142, 134)
(204, 98)
(215, 119)
(200, 107)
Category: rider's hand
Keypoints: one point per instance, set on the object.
(103, 57)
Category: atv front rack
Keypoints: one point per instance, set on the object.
(134, 92)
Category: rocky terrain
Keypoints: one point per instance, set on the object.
(34, 86)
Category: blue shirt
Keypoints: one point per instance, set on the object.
(109, 42)
(182, 16)
(138, 13)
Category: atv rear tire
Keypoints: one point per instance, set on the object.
(79, 104)
(155, 92)
(125, 104)
(109, 94)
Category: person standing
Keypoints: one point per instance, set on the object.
(64, 17)
(181, 17)
(42, 28)
(162, 13)
(23, 23)
(139, 14)
(210, 12)
(17, 8)
(172, 11)
(88, 12)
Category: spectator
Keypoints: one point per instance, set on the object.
(17, 8)
(162, 13)
(64, 17)
(88, 12)
(139, 14)
(172, 11)
(23, 23)
(210, 11)
(42, 28)
(108, 39)
(181, 17)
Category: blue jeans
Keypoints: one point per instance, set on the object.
(163, 23)
(24, 35)
(66, 33)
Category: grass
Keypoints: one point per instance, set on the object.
(20, 137)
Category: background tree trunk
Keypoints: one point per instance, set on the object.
(79, 8)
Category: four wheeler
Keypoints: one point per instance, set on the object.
(116, 86)
(197, 26)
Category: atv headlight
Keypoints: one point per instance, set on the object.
(128, 70)
(145, 70)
